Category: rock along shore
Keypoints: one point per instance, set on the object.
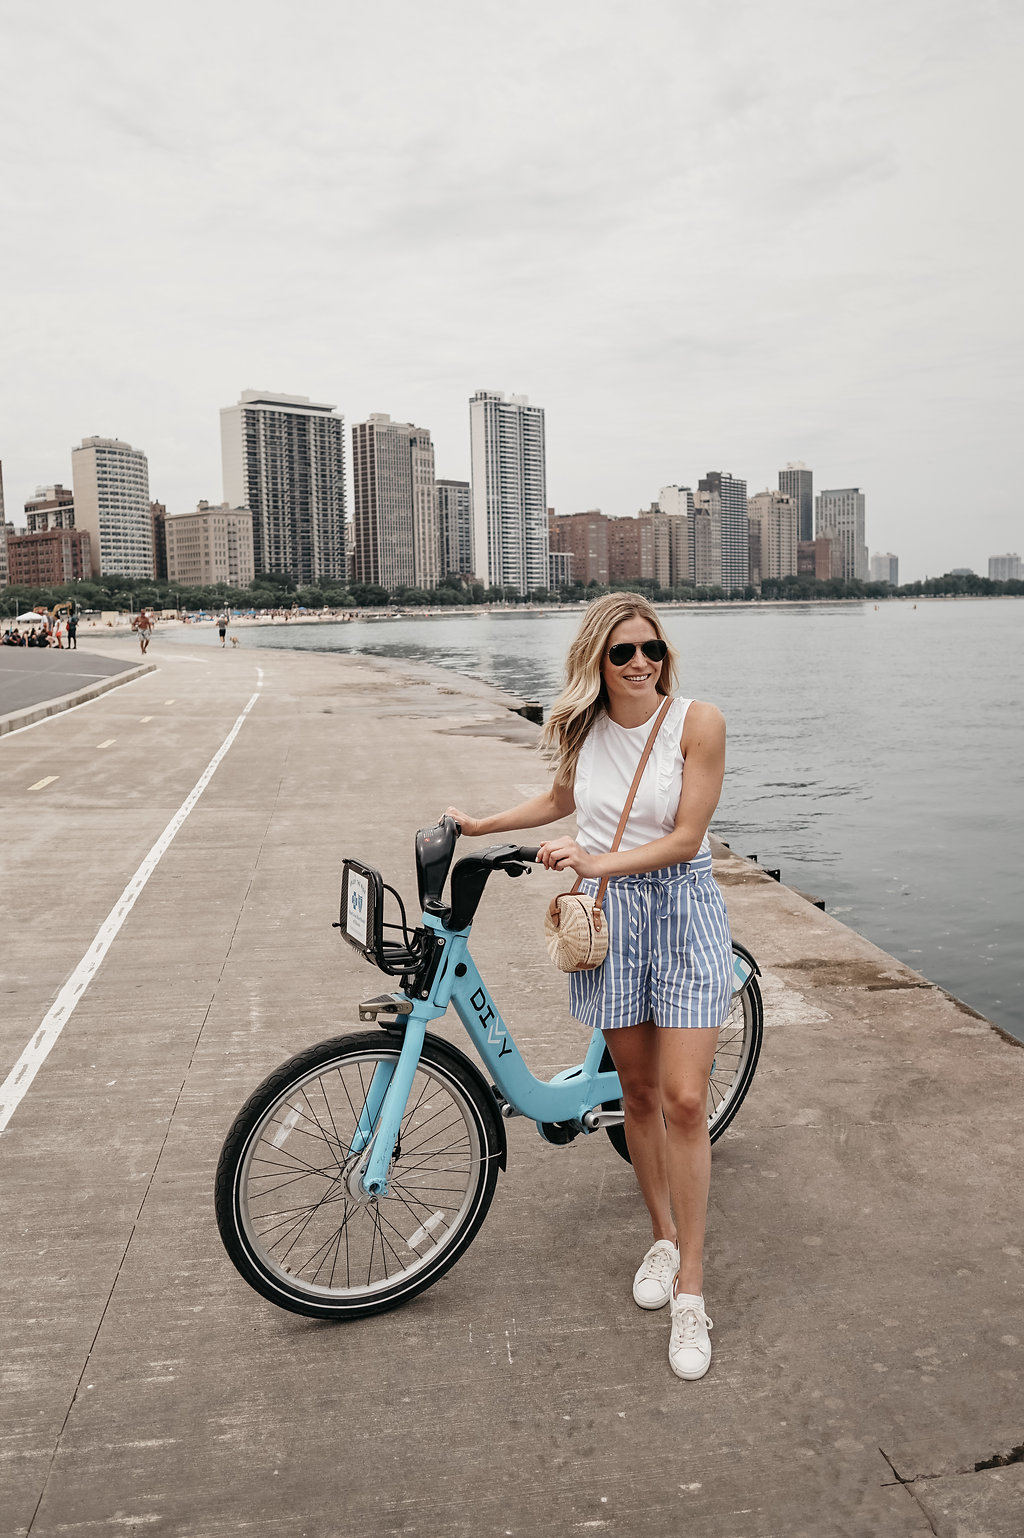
(864, 1260)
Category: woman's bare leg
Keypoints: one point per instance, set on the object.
(634, 1051)
(684, 1059)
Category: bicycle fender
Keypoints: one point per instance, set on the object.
(740, 953)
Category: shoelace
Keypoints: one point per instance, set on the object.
(660, 1266)
(685, 1323)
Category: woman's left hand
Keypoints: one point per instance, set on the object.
(566, 854)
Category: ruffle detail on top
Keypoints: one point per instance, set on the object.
(668, 758)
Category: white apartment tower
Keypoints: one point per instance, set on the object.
(839, 516)
(1004, 568)
(455, 528)
(886, 568)
(284, 459)
(111, 501)
(510, 523)
(396, 525)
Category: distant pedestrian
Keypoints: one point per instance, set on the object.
(72, 632)
(144, 626)
(222, 629)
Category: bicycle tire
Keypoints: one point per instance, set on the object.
(736, 1055)
(286, 1215)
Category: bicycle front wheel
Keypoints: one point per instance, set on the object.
(291, 1215)
(736, 1055)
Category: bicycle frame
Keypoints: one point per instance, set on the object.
(565, 1098)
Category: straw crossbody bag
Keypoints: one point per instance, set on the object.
(575, 926)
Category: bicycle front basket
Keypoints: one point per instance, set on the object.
(362, 908)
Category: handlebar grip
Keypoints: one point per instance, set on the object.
(530, 852)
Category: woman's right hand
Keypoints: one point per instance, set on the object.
(470, 825)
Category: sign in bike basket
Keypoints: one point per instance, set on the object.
(357, 908)
(362, 904)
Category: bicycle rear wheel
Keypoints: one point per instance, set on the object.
(289, 1210)
(736, 1055)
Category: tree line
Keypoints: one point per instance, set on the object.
(275, 591)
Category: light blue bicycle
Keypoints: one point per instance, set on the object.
(359, 1171)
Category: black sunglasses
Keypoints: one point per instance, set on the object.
(624, 651)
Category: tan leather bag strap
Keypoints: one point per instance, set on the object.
(620, 830)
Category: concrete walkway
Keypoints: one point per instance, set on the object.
(865, 1249)
(36, 684)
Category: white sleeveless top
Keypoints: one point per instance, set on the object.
(604, 773)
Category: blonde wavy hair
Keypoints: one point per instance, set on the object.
(584, 696)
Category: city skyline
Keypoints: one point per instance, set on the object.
(244, 446)
(782, 243)
(783, 475)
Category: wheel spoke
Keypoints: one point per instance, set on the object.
(297, 1165)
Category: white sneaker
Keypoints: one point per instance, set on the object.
(652, 1285)
(689, 1347)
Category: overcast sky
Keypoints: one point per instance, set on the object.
(702, 234)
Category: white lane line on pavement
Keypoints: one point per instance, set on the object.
(47, 780)
(16, 1085)
(168, 702)
(144, 718)
(108, 744)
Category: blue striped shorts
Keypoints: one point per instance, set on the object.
(669, 952)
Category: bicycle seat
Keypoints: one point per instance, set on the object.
(434, 850)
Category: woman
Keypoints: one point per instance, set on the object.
(665, 986)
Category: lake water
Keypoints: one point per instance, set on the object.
(876, 755)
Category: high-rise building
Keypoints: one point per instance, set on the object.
(774, 514)
(726, 495)
(705, 536)
(158, 515)
(213, 544)
(656, 544)
(584, 536)
(886, 568)
(396, 521)
(455, 528)
(111, 498)
(284, 458)
(52, 507)
(49, 558)
(3, 532)
(677, 503)
(839, 516)
(798, 482)
(1004, 568)
(629, 542)
(510, 525)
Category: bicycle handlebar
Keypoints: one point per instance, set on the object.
(435, 848)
